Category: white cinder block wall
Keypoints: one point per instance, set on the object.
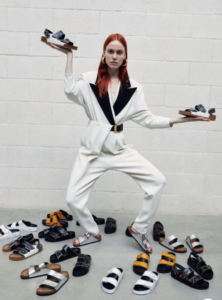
(175, 52)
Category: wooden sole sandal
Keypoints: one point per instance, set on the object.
(26, 250)
(146, 283)
(63, 215)
(166, 263)
(53, 283)
(39, 270)
(194, 243)
(199, 111)
(15, 244)
(172, 244)
(198, 264)
(158, 231)
(187, 276)
(55, 220)
(82, 266)
(140, 265)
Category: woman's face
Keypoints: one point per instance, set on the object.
(114, 54)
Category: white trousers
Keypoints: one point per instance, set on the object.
(148, 177)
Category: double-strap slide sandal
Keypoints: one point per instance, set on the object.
(188, 277)
(15, 244)
(62, 214)
(60, 234)
(42, 234)
(198, 264)
(81, 268)
(199, 111)
(141, 240)
(89, 239)
(99, 221)
(194, 243)
(23, 225)
(146, 283)
(64, 254)
(58, 39)
(6, 233)
(53, 283)
(158, 231)
(26, 250)
(55, 220)
(111, 281)
(140, 265)
(172, 244)
(110, 226)
(167, 262)
(39, 270)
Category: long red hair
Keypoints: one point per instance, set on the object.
(103, 75)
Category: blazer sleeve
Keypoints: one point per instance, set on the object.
(143, 116)
(73, 88)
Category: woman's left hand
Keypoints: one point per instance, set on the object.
(188, 119)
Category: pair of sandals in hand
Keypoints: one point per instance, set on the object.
(58, 39)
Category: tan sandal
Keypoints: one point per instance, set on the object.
(26, 250)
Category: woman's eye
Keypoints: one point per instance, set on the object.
(110, 51)
(119, 52)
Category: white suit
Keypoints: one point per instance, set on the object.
(102, 149)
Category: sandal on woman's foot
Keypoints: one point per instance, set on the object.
(45, 232)
(15, 244)
(140, 265)
(56, 221)
(26, 250)
(82, 266)
(158, 231)
(39, 270)
(64, 254)
(110, 226)
(199, 111)
(87, 239)
(53, 283)
(63, 215)
(146, 283)
(111, 281)
(99, 221)
(166, 263)
(198, 264)
(141, 239)
(172, 244)
(194, 243)
(60, 234)
(188, 277)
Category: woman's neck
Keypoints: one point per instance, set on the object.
(113, 73)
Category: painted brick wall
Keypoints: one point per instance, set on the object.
(175, 52)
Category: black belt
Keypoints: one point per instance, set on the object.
(117, 128)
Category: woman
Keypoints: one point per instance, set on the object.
(110, 98)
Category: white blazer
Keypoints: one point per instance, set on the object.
(129, 105)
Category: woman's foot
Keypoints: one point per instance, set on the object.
(144, 240)
(86, 239)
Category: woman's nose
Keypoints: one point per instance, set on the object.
(114, 55)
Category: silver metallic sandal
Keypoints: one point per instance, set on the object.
(142, 240)
(39, 270)
(90, 239)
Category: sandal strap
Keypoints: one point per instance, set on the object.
(111, 280)
(50, 283)
(140, 264)
(59, 35)
(166, 262)
(4, 229)
(151, 275)
(12, 244)
(143, 256)
(171, 238)
(167, 256)
(196, 244)
(32, 269)
(83, 264)
(144, 283)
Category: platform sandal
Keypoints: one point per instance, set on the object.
(146, 283)
(140, 265)
(62, 214)
(55, 220)
(64, 254)
(39, 270)
(26, 250)
(111, 282)
(81, 268)
(110, 226)
(60, 234)
(15, 244)
(45, 232)
(198, 264)
(23, 225)
(166, 263)
(158, 231)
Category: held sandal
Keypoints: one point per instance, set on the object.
(82, 266)
(158, 231)
(39, 270)
(166, 263)
(15, 244)
(26, 250)
(111, 282)
(60, 234)
(198, 264)
(90, 239)
(146, 283)
(58, 39)
(187, 276)
(53, 283)
(64, 254)
(199, 111)
(194, 243)
(56, 221)
(62, 214)
(172, 244)
(140, 265)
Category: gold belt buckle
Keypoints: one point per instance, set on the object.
(115, 128)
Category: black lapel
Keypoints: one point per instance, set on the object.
(104, 103)
(124, 96)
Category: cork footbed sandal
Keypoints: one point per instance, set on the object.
(39, 270)
(62, 214)
(194, 243)
(53, 283)
(26, 250)
(15, 244)
(172, 244)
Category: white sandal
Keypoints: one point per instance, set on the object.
(112, 280)
(23, 225)
(6, 233)
(146, 283)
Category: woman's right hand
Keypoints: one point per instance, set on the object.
(64, 50)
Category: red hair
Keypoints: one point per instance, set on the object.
(103, 74)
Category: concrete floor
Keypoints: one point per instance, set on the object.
(115, 250)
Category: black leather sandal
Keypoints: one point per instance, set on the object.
(60, 234)
(99, 221)
(158, 231)
(64, 254)
(198, 264)
(82, 266)
(43, 233)
(110, 226)
(187, 276)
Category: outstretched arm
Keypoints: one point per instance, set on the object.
(187, 119)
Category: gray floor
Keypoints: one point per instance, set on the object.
(119, 251)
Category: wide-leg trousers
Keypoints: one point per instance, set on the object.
(131, 162)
